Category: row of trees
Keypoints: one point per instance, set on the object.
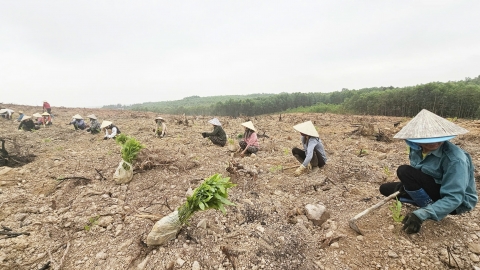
(450, 99)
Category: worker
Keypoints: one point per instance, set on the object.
(312, 156)
(20, 116)
(218, 135)
(107, 125)
(249, 144)
(27, 124)
(160, 127)
(440, 178)
(94, 126)
(6, 113)
(78, 122)
(46, 107)
(47, 119)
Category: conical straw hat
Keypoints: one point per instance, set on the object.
(92, 116)
(429, 125)
(25, 117)
(249, 125)
(160, 118)
(45, 114)
(105, 124)
(77, 116)
(215, 122)
(3, 110)
(307, 128)
(36, 115)
(20, 111)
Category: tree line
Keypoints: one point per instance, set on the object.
(450, 99)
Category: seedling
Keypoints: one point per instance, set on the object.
(239, 136)
(211, 194)
(47, 140)
(396, 210)
(286, 151)
(386, 170)
(231, 141)
(91, 222)
(130, 148)
(276, 168)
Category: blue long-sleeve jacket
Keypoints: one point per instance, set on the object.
(313, 144)
(452, 168)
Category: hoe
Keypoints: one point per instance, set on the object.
(368, 210)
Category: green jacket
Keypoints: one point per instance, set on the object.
(218, 132)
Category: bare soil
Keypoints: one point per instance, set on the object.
(60, 191)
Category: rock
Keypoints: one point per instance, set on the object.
(329, 234)
(474, 258)
(335, 245)
(317, 213)
(260, 228)
(5, 170)
(474, 247)
(202, 224)
(101, 255)
(105, 221)
(196, 265)
(360, 237)
(180, 262)
(141, 265)
(189, 192)
(392, 254)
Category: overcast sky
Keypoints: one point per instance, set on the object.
(94, 53)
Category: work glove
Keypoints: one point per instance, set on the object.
(204, 134)
(300, 170)
(411, 223)
(105, 138)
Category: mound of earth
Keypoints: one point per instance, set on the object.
(60, 207)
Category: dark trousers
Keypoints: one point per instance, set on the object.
(216, 140)
(251, 149)
(317, 160)
(412, 179)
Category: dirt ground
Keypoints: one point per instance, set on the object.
(61, 193)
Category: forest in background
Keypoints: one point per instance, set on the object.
(448, 99)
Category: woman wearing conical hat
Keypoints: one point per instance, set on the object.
(440, 178)
(47, 119)
(160, 127)
(312, 156)
(78, 122)
(27, 124)
(107, 125)
(94, 126)
(20, 116)
(218, 135)
(249, 144)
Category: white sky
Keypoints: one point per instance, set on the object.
(93, 53)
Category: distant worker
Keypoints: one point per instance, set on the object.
(38, 120)
(27, 124)
(78, 122)
(160, 127)
(218, 135)
(46, 107)
(94, 126)
(7, 113)
(20, 116)
(47, 119)
(249, 144)
(312, 156)
(114, 130)
(440, 178)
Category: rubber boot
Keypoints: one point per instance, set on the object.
(420, 197)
